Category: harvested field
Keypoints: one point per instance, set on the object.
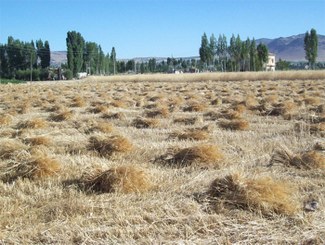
(179, 159)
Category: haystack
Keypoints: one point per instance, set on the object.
(261, 195)
(123, 179)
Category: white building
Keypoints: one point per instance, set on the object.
(270, 65)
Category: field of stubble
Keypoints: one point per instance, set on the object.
(164, 159)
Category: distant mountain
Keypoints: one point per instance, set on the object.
(58, 58)
(292, 48)
(285, 48)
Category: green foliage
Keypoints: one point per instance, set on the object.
(311, 46)
(68, 74)
(262, 55)
(204, 49)
(222, 52)
(282, 65)
(75, 51)
(113, 60)
(44, 53)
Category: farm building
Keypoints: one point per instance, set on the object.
(270, 65)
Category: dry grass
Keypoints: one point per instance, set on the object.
(52, 206)
(304, 160)
(36, 167)
(239, 124)
(161, 112)
(107, 146)
(145, 123)
(104, 127)
(116, 116)
(5, 119)
(191, 134)
(38, 140)
(186, 120)
(122, 179)
(201, 155)
(10, 148)
(62, 116)
(261, 195)
(195, 106)
(33, 124)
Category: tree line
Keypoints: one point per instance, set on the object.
(237, 55)
(24, 60)
(84, 56)
(31, 60)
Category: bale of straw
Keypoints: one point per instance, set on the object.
(261, 195)
(202, 155)
(117, 116)
(38, 166)
(10, 148)
(302, 160)
(107, 146)
(32, 124)
(62, 116)
(238, 124)
(123, 179)
(5, 119)
(191, 134)
(145, 123)
(38, 140)
(186, 120)
(160, 112)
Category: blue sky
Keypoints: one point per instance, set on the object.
(138, 28)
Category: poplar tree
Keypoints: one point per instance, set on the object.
(204, 49)
(75, 47)
(311, 46)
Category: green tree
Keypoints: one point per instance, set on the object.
(113, 60)
(282, 65)
(262, 55)
(152, 65)
(90, 57)
(75, 47)
(311, 46)
(4, 63)
(212, 49)
(44, 53)
(244, 55)
(252, 55)
(222, 51)
(204, 49)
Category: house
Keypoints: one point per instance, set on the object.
(270, 65)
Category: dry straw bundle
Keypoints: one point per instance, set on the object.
(107, 146)
(33, 124)
(37, 166)
(201, 155)
(191, 134)
(38, 140)
(5, 119)
(303, 160)
(145, 123)
(262, 195)
(123, 179)
(238, 124)
(10, 148)
(62, 116)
